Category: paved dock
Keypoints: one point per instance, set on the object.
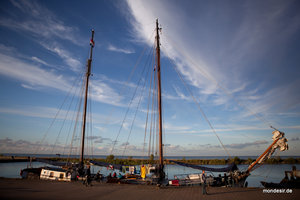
(38, 189)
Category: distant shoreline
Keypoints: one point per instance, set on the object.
(135, 161)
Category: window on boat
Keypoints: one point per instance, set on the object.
(51, 174)
(61, 175)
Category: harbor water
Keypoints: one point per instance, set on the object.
(270, 173)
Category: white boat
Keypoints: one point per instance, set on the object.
(55, 174)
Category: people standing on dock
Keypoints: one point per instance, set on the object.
(143, 172)
(203, 178)
(88, 176)
(225, 179)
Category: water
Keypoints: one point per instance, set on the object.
(12, 170)
(269, 173)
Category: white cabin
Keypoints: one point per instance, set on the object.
(55, 174)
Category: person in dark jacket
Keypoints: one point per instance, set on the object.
(203, 182)
(88, 175)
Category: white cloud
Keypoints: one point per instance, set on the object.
(43, 62)
(32, 75)
(39, 60)
(180, 94)
(35, 77)
(121, 50)
(215, 59)
(102, 92)
(197, 59)
(73, 63)
(46, 29)
(40, 22)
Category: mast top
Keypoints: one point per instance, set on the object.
(92, 42)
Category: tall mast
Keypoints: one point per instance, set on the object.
(161, 158)
(88, 73)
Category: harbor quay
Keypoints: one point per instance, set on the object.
(38, 189)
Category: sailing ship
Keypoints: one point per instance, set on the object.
(68, 172)
(233, 174)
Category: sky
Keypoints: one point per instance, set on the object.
(239, 60)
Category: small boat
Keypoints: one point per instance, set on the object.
(57, 174)
(290, 180)
(31, 173)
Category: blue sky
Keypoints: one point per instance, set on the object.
(239, 58)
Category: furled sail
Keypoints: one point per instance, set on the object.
(230, 167)
(279, 141)
(281, 144)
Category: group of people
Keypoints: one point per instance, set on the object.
(119, 176)
(87, 181)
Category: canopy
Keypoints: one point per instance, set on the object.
(104, 164)
(230, 167)
(52, 162)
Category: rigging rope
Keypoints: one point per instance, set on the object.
(136, 111)
(76, 122)
(67, 138)
(152, 112)
(91, 123)
(57, 113)
(199, 107)
(148, 106)
(56, 141)
(128, 79)
(155, 118)
(128, 107)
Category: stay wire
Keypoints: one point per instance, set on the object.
(155, 121)
(148, 107)
(146, 79)
(128, 107)
(137, 108)
(91, 124)
(73, 118)
(76, 121)
(128, 79)
(57, 113)
(199, 107)
(67, 113)
(152, 113)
